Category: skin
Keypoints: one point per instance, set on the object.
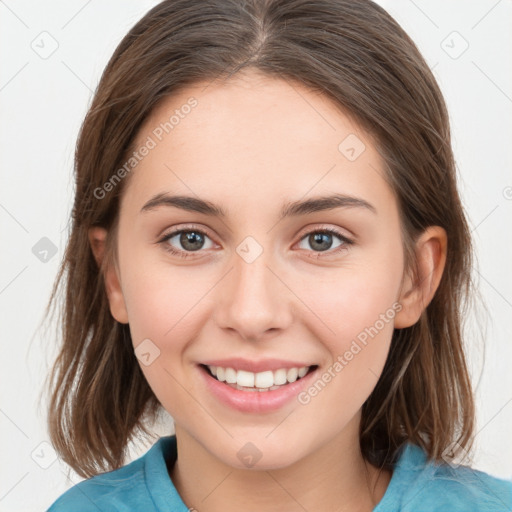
(251, 145)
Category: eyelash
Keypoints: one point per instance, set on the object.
(186, 254)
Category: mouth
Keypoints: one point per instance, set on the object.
(267, 380)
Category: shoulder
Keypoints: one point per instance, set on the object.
(431, 486)
(122, 489)
(102, 491)
(463, 489)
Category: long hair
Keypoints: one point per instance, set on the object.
(353, 53)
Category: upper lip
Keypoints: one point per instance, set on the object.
(238, 363)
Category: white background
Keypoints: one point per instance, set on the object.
(43, 101)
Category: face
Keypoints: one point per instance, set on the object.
(251, 289)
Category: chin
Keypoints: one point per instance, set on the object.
(259, 455)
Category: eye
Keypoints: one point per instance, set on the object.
(321, 241)
(190, 240)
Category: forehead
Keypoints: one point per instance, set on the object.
(254, 138)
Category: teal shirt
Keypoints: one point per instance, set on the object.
(416, 486)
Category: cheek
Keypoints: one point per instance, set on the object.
(164, 306)
(355, 301)
(354, 319)
(360, 319)
(162, 301)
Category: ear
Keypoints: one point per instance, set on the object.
(416, 294)
(97, 239)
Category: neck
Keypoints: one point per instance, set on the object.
(333, 478)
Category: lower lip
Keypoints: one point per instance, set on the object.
(255, 401)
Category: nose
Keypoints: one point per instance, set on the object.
(254, 300)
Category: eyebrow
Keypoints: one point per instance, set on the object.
(292, 209)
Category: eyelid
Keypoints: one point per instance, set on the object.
(185, 227)
(305, 231)
(329, 228)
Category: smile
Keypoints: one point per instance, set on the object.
(272, 385)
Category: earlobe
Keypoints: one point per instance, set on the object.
(417, 293)
(97, 240)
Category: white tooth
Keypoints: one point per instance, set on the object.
(221, 374)
(244, 378)
(292, 374)
(230, 375)
(280, 377)
(264, 379)
(303, 371)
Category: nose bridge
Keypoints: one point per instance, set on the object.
(252, 275)
(254, 300)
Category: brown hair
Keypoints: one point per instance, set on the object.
(355, 54)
